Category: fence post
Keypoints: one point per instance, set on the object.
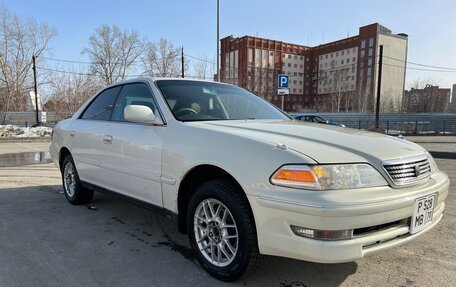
(26, 124)
(359, 124)
(444, 126)
(387, 126)
(416, 127)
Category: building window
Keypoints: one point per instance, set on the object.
(294, 82)
(369, 62)
(295, 57)
(361, 72)
(354, 59)
(348, 51)
(300, 91)
(300, 82)
(369, 72)
(362, 53)
(353, 78)
(342, 53)
(289, 56)
(326, 65)
(295, 65)
(294, 90)
(363, 44)
(371, 51)
(301, 66)
(283, 64)
(361, 64)
(250, 56)
(321, 66)
(337, 54)
(326, 56)
(301, 58)
(283, 55)
(289, 65)
(371, 42)
(348, 60)
(271, 53)
(332, 55)
(342, 62)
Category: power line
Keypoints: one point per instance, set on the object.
(418, 64)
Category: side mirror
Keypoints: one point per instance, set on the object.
(140, 114)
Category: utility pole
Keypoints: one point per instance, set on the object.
(182, 58)
(35, 89)
(218, 40)
(379, 86)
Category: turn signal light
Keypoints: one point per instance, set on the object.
(298, 176)
(322, 234)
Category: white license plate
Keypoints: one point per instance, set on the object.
(422, 213)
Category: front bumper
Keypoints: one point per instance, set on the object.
(274, 216)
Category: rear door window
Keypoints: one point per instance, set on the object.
(101, 108)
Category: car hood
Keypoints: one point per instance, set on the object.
(322, 143)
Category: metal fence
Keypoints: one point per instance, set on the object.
(390, 123)
(399, 123)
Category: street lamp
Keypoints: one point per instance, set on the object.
(218, 40)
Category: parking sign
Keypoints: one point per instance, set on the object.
(283, 81)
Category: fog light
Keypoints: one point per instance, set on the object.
(322, 234)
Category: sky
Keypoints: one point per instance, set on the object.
(431, 25)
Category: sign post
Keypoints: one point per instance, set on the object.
(283, 86)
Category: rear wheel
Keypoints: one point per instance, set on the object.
(72, 187)
(222, 231)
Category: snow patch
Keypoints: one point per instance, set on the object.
(12, 131)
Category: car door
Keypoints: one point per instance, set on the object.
(89, 132)
(134, 150)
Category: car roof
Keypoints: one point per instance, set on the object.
(155, 79)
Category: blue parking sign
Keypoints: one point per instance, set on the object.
(283, 81)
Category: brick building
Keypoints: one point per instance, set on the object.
(430, 99)
(335, 76)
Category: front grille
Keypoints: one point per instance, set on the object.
(408, 171)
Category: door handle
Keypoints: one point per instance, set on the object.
(107, 139)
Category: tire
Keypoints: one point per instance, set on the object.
(225, 244)
(74, 192)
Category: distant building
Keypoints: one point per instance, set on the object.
(431, 99)
(335, 75)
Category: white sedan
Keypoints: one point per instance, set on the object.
(243, 179)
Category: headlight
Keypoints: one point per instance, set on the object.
(328, 177)
(432, 162)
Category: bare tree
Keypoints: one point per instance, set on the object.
(113, 53)
(203, 68)
(20, 39)
(162, 59)
(337, 89)
(423, 96)
(69, 91)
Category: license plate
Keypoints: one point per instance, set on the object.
(422, 213)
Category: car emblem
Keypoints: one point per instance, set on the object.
(417, 170)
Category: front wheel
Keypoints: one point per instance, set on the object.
(72, 187)
(222, 231)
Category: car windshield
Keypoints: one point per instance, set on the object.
(206, 101)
